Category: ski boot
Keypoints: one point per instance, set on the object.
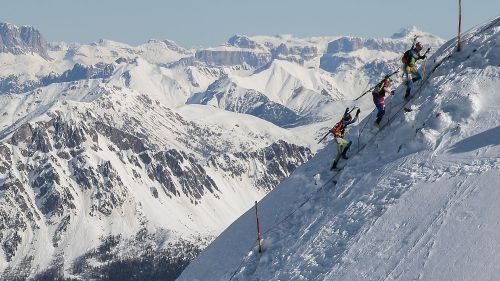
(334, 166)
(344, 152)
(407, 94)
(376, 124)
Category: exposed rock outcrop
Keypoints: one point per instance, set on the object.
(22, 40)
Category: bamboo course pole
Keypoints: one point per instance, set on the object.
(258, 227)
(459, 24)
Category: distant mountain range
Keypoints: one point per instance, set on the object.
(116, 157)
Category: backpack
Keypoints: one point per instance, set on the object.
(406, 58)
(338, 129)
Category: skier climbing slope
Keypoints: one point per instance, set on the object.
(379, 93)
(339, 131)
(409, 59)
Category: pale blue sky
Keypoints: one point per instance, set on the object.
(195, 23)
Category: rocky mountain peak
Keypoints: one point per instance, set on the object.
(172, 45)
(243, 41)
(22, 40)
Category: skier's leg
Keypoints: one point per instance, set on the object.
(409, 81)
(337, 157)
(344, 155)
(380, 113)
(417, 75)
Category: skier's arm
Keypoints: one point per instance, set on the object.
(350, 122)
(417, 56)
(353, 120)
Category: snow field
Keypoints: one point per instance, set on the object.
(417, 203)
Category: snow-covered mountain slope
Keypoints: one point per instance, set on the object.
(104, 168)
(283, 93)
(95, 170)
(289, 94)
(417, 202)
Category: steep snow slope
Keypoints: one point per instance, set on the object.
(418, 202)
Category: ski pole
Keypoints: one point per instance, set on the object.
(414, 41)
(324, 137)
(396, 71)
(369, 90)
(424, 63)
(352, 109)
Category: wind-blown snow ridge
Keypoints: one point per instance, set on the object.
(417, 203)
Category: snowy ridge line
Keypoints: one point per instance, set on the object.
(285, 218)
(390, 120)
(289, 215)
(473, 33)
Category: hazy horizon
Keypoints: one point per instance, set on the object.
(193, 23)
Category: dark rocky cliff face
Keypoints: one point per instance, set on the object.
(22, 40)
(280, 159)
(55, 170)
(239, 57)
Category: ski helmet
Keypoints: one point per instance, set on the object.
(418, 46)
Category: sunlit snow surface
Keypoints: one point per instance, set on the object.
(420, 202)
(144, 96)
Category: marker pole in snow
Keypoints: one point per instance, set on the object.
(258, 227)
(459, 23)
